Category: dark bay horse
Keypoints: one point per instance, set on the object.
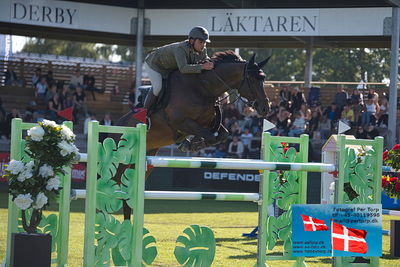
(187, 108)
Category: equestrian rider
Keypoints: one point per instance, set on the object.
(183, 55)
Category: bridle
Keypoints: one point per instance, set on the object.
(231, 91)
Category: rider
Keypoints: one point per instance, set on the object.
(183, 55)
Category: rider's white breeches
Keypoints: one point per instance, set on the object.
(155, 78)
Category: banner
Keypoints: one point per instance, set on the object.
(337, 230)
(216, 180)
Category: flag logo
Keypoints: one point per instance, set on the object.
(313, 224)
(348, 239)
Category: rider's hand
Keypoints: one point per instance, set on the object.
(207, 66)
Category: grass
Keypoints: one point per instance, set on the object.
(167, 219)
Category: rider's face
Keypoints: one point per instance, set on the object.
(199, 45)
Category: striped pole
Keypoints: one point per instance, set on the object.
(391, 212)
(184, 195)
(242, 164)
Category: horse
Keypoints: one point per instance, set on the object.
(188, 105)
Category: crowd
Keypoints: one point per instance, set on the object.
(54, 95)
(294, 114)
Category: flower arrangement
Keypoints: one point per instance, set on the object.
(391, 185)
(32, 184)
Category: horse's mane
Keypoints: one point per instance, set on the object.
(226, 57)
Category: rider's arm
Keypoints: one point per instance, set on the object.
(183, 65)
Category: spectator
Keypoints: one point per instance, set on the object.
(282, 123)
(373, 95)
(89, 82)
(370, 110)
(313, 125)
(246, 138)
(360, 133)
(13, 114)
(220, 152)
(116, 90)
(90, 117)
(299, 125)
(325, 127)
(80, 106)
(235, 129)
(371, 132)
(340, 98)
(235, 148)
(348, 115)
(64, 95)
(76, 78)
(53, 107)
(332, 113)
(305, 112)
(41, 88)
(285, 96)
(36, 77)
(49, 78)
(231, 112)
(11, 77)
(383, 113)
(298, 99)
(107, 122)
(50, 93)
(356, 97)
(132, 98)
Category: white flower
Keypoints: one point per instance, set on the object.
(15, 166)
(46, 171)
(36, 133)
(41, 200)
(29, 166)
(53, 183)
(49, 123)
(66, 133)
(23, 201)
(66, 148)
(24, 175)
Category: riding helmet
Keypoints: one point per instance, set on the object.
(201, 33)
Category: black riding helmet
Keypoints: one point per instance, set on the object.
(201, 33)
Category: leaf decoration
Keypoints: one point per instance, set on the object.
(196, 247)
(287, 195)
(125, 148)
(108, 196)
(107, 230)
(48, 225)
(284, 222)
(128, 179)
(108, 163)
(149, 248)
(272, 235)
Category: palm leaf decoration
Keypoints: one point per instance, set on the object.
(196, 247)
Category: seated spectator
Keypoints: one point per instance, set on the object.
(89, 117)
(282, 123)
(65, 93)
(340, 98)
(298, 127)
(285, 96)
(50, 93)
(36, 77)
(235, 148)
(53, 107)
(357, 97)
(49, 78)
(324, 127)
(257, 122)
(220, 151)
(41, 88)
(305, 112)
(76, 78)
(313, 125)
(371, 132)
(373, 95)
(107, 122)
(370, 110)
(332, 113)
(89, 82)
(11, 77)
(10, 116)
(361, 133)
(383, 113)
(235, 129)
(230, 112)
(80, 106)
(298, 99)
(246, 140)
(348, 115)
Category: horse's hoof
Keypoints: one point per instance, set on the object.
(184, 147)
(197, 146)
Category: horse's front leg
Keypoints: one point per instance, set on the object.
(191, 127)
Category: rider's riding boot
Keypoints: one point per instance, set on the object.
(150, 100)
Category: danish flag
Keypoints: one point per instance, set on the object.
(348, 239)
(312, 224)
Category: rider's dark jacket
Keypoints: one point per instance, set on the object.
(181, 55)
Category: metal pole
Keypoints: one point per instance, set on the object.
(139, 43)
(394, 64)
(309, 63)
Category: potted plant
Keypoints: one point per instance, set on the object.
(33, 184)
(390, 183)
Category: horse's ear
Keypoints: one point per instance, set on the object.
(262, 63)
(251, 62)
